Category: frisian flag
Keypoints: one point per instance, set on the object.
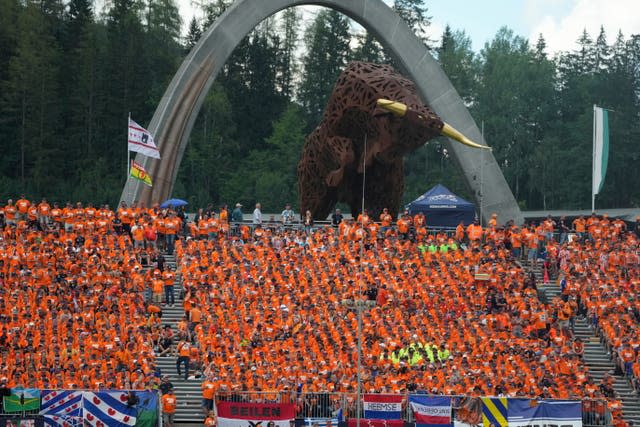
(61, 408)
(382, 406)
(141, 141)
(431, 411)
(527, 412)
(108, 408)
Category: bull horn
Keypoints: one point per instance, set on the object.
(397, 108)
(451, 132)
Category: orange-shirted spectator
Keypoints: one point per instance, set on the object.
(460, 231)
(385, 220)
(493, 222)
(363, 218)
(403, 224)
(44, 212)
(208, 388)
(168, 277)
(210, 420)
(172, 226)
(10, 213)
(474, 232)
(32, 214)
(137, 234)
(184, 356)
(169, 405)
(22, 205)
(157, 287)
(516, 242)
(56, 214)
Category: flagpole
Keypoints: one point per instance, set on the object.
(482, 177)
(593, 163)
(128, 153)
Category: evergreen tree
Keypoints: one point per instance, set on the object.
(458, 61)
(368, 49)
(287, 66)
(327, 46)
(126, 80)
(270, 174)
(510, 103)
(414, 13)
(194, 34)
(29, 102)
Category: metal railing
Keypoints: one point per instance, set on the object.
(595, 412)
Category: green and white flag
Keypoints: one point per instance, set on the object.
(22, 399)
(600, 147)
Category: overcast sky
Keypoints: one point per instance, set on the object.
(560, 21)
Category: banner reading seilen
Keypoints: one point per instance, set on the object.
(528, 412)
(240, 414)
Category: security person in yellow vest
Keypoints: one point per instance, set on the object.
(443, 353)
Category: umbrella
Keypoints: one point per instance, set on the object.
(173, 203)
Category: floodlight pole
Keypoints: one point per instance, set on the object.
(359, 296)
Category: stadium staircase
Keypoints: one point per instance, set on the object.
(596, 355)
(188, 394)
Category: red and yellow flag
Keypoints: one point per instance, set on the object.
(138, 172)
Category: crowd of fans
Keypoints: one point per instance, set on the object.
(72, 306)
(275, 308)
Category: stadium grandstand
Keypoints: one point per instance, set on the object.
(147, 299)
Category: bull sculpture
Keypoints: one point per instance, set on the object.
(373, 118)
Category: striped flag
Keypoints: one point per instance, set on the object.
(141, 141)
(138, 172)
(600, 147)
(431, 411)
(382, 406)
(494, 411)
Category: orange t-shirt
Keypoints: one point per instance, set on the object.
(169, 403)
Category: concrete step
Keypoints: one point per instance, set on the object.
(188, 393)
(595, 354)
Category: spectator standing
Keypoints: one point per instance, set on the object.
(208, 388)
(308, 221)
(564, 229)
(184, 353)
(169, 278)
(236, 215)
(336, 218)
(172, 228)
(23, 205)
(385, 220)
(257, 215)
(287, 215)
(10, 212)
(44, 211)
(169, 403)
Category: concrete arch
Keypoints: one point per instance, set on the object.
(174, 118)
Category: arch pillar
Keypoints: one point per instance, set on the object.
(174, 117)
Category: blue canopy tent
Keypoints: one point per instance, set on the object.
(442, 208)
